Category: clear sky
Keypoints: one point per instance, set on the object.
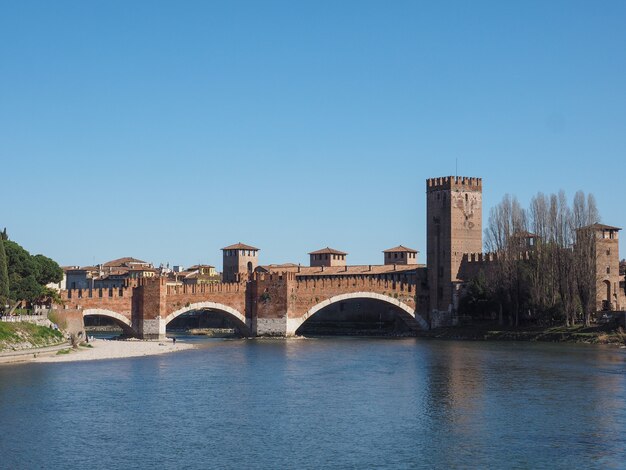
(167, 130)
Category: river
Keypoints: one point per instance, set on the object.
(314, 403)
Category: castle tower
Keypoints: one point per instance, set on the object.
(453, 227)
(327, 257)
(608, 294)
(400, 255)
(238, 259)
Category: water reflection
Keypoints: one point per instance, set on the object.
(341, 402)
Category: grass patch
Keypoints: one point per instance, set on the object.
(23, 333)
(54, 317)
(8, 332)
(60, 352)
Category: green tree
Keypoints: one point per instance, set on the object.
(29, 274)
(4, 276)
(47, 270)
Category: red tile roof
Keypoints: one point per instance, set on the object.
(399, 249)
(343, 270)
(327, 250)
(240, 246)
(124, 261)
(601, 227)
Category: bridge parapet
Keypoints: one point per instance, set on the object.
(201, 289)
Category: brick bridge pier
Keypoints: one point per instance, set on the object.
(262, 304)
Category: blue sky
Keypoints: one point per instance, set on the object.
(167, 130)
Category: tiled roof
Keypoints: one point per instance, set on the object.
(327, 250)
(602, 227)
(344, 270)
(84, 268)
(525, 234)
(240, 246)
(198, 266)
(400, 248)
(124, 261)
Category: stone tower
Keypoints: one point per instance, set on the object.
(327, 257)
(453, 227)
(608, 294)
(238, 259)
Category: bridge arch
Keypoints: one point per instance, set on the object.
(119, 319)
(406, 312)
(231, 312)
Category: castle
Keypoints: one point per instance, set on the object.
(278, 299)
(454, 250)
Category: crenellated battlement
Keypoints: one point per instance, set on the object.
(101, 292)
(399, 282)
(273, 276)
(491, 257)
(202, 289)
(480, 257)
(454, 182)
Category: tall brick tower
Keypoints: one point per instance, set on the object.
(608, 294)
(238, 259)
(453, 227)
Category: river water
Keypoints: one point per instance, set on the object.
(314, 403)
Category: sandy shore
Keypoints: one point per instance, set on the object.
(110, 349)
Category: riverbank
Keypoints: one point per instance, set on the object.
(21, 336)
(98, 349)
(557, 334)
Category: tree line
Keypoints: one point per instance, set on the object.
(545, 269)
(23, 277)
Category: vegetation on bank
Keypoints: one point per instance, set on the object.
(22, 335)
(600, 334)
(23, 277)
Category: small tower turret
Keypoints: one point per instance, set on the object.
(238, 259)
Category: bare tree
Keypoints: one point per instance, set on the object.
(584, 215)
(550, 272)
(505, 238)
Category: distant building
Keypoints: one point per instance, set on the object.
(62, 284)
(327, 257)
(238, 259)
(81, 277)
(400, 255)
(200, 274)
(127, 262)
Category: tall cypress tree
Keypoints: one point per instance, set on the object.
(4, 276)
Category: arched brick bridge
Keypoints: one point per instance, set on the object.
(262, 305)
